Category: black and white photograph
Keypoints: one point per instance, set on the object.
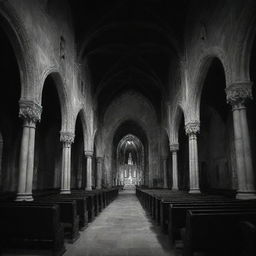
(127, 127)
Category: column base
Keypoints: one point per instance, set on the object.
(194, 191)
(175, 189)
(88, 189)
(98, 187)
(65, 192)
(24, 197)
(245, 195)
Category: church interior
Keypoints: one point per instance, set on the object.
(128, 127)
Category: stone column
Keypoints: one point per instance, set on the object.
(30, 112)
(237, 95)
(192, 129)
(67, 138)
(89, 155)
(165, 172)
(122, 177)
(174, 148)
(99, 172)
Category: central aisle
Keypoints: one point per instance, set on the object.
(122, 229)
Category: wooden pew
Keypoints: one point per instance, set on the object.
(68, 215)
(31, 226)
(81, 203)
(90, 202)
(95, 201)
(157, 203)
(248, 238)
(178, 211)
(215, 231)
(104, 198)
(70, 219)
(165, 199)
(76, 195)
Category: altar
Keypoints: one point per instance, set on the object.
(129, 173)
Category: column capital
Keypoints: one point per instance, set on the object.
(67, 137)
(238, 93)
(174, 147)
(30, 111)
(88, 153)
(192, 128)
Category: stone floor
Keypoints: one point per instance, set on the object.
(124, 229)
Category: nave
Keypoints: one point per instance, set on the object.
(99, 95)
(122, 229)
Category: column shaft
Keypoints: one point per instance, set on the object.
(99, 172)
(237, 95)
(30, 164)
(89, 173)
(65, 178)
(165, 173)
(174, 171)
(193, 165)
(247, 151)
(67, 138)
(30, 112)
(192, 129)
(89, 155)
(23, 164)
(243, 155)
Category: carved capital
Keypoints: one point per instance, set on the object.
(88, 153)
(192, 128)
(67, 137)
(239, 93)
(174, 147)
(30, 111)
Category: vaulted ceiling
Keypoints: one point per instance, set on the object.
(129, 44)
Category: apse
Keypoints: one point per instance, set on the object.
(130, 152)
(130, 161)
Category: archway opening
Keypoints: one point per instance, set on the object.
(130, 155)
(183, 157)
(78, 166)
(48, 148)
(94, 167)
(130, 161)
(10, 123)
(215, 143)
(166, 162)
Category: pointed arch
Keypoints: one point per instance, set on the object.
(175, 125)
(202, 71)
(62, 95)
(23, 49)
(244, 35)
(82, 115)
